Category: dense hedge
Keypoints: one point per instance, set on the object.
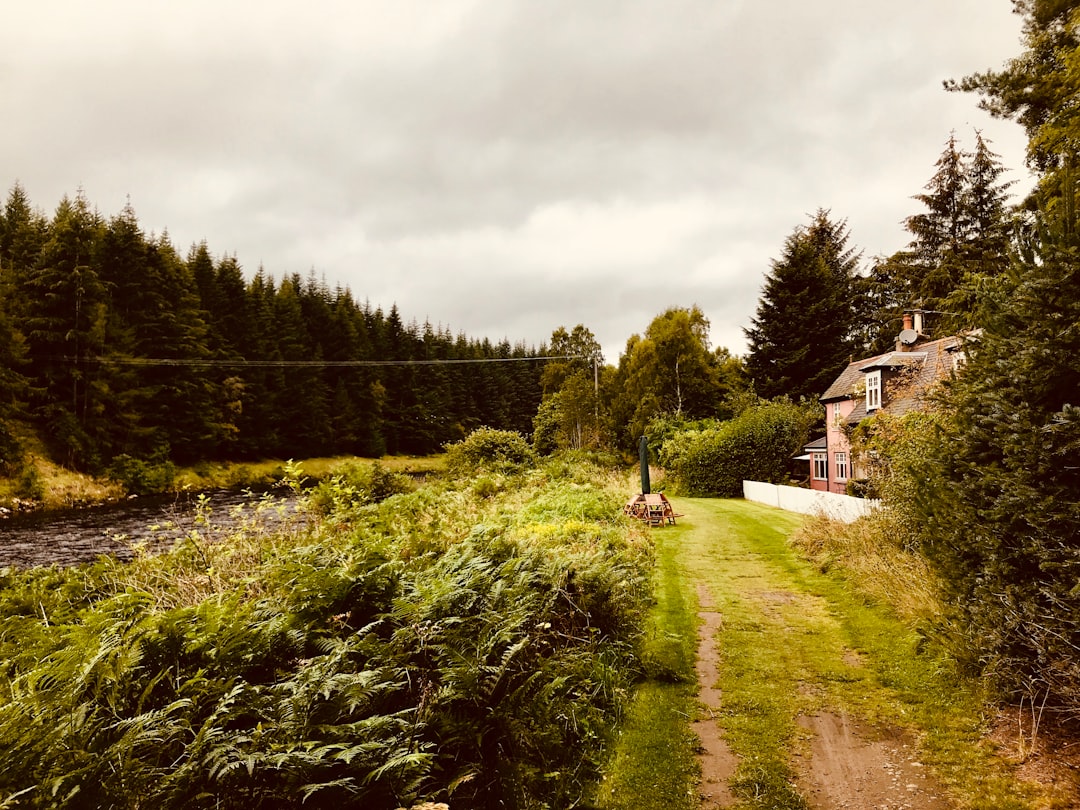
(757, 445)
(433, 646)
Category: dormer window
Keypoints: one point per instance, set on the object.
(873, 391)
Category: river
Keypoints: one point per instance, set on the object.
(74, 536)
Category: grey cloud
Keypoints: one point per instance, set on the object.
(340, 136)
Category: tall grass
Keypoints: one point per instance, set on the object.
(876, 560)
(434, 646)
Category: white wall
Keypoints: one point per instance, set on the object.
(809, 501)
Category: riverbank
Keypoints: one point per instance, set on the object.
(43, 485)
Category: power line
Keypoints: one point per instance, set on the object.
(177, 362)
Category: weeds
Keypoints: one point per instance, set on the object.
(433, 646)
(874, 557)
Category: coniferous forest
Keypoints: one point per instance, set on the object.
(114, 343)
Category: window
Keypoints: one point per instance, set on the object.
(873, 390)
(841, 467)
(821, 467)
(836, 413)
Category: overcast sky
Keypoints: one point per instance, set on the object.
(502, 167)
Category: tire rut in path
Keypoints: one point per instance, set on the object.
(849, 765)
(718, 763)
(853, 766)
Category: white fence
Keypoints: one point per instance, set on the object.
(809, 501)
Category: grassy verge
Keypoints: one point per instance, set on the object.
(437, 645)
(797, 641)
(655, 766)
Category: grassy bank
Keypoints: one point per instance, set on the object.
(43, 484)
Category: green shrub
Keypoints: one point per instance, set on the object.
(757, 445)
(489, 449)
(142, 477)
(357, 485)
(546, 427)
(11, 451)
(29, 484)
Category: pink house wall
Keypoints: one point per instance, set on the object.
(837, 443)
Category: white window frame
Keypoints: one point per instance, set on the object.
(841, 466)
(836, 413)
(821, 473)
(873, 391)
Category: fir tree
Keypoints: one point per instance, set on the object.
(959, 247)
(807, 322)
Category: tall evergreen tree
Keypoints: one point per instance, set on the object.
(1038, 89)
(959, 248)
(22, 234)
(1001, 499)
(64, 323)
(1002, 510)
(942, 231)
(807, 323)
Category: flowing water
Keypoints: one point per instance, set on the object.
(80, 535)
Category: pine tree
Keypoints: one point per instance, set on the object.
(807, 322)
(64, 323)
(1038, 89)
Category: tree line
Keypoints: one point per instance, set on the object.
(113, 344)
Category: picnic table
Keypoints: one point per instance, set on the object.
(654, 508)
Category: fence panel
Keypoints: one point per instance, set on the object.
(809, 501)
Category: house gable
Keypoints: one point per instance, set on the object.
(905, 378)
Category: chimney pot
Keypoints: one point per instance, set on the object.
(909, 322)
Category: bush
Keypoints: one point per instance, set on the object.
(29, 483)
(489, 449)
(896, 452)
(357, 485)
(757, 445)
(141, 477)
(11, 452)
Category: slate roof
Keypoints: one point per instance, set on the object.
(849, 378)
(929, 363)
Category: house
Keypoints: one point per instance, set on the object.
(895, 382)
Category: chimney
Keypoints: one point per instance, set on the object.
(910, 333)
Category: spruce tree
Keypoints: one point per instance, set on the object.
(65, 325)
(807, 323)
